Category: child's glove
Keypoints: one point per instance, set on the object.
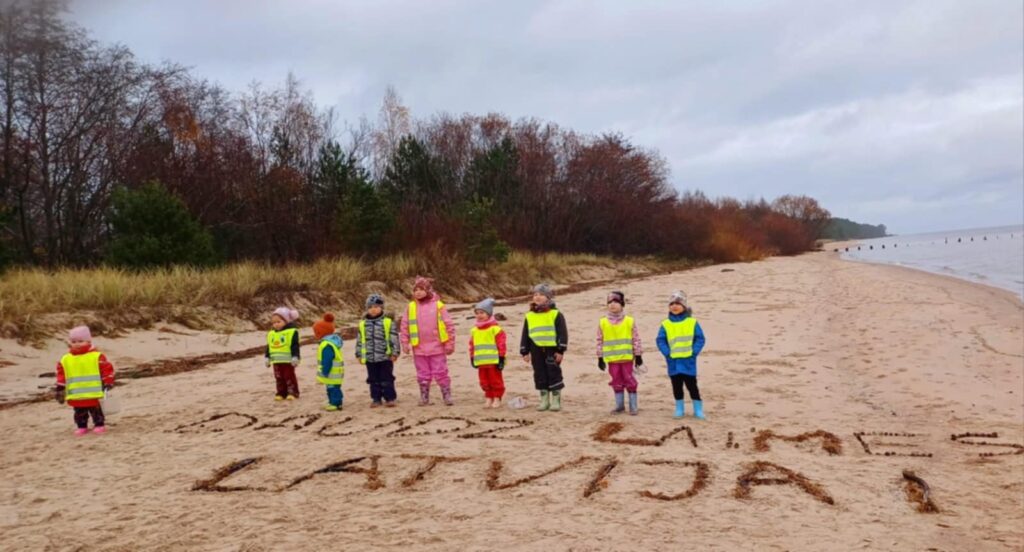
(108, 386)
(295, 362)
(639, 360)
(58, 393)
(394, 358)
(600, 364)
(501, 363)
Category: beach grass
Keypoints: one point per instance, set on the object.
(26, 294)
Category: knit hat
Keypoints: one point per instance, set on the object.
(618, 297)
(375, 299)
(286, 314)
(80, 333)
(427, 284)
(678, 297)
(487, 305)
(324, 326)
(545, 290)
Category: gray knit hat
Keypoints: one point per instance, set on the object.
(545, 290)
(678, 297)
(487, 305)
(374, 299)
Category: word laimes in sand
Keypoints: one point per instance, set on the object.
(873, 443)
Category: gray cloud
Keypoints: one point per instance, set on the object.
(908, 113)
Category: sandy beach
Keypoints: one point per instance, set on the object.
(882, 365)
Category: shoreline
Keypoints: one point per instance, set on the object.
(1019, 299)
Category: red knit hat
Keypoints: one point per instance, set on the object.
(324, 327)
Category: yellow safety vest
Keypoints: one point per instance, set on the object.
(541, 327)
(617, 340)
(414, 329)
(387, 337)
(337, 374)
(485, 346)
(680, 337)
(82, 378)
(280, 344)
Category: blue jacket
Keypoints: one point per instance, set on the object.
(684, 366)
(328, 360)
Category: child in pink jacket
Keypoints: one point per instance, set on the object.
(618, 349)
(427, 331)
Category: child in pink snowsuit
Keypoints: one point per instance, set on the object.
(618, 348)
(427, 331)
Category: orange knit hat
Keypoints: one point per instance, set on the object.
(324, 327)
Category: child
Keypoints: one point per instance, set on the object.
(487, 352)
(377, 347)
(428, 333)
(330, 366)
(83, 375)
(618, 347)
(544, 341)
(681, 339)
(283, 352)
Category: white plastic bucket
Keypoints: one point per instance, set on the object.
(111, 403)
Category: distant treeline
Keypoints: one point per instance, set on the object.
(106, 159)
(845, 229)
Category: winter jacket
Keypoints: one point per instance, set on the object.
(106, 373)
(683, 366)
(430, 338)
(615, 320)
(500, 338)
(527, 346)
(327, 361)
(376, 341)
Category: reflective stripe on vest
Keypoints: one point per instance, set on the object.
(485, 346)
(541, 327)
(680, 337)
(280, 345)
(617, 340)
(387, 336)
(414, 329)
(337, 374)
(82, 379)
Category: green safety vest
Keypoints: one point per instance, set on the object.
(414, 329)
(680, 337)
(280, 345)
(387, 337)
(485, 346)
(337, 374)
(617, 340)
(541, 327)
(82, 378)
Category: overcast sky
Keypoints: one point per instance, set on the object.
(907, 113)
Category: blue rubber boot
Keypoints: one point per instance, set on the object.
(633, 410)
(698, 410)
(680, 409)
(620, 403)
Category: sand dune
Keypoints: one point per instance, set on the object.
(881, 365)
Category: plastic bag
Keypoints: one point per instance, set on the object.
(111, 402)
(517, 403)
(639, 370)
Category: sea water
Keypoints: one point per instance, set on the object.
(990, 256)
